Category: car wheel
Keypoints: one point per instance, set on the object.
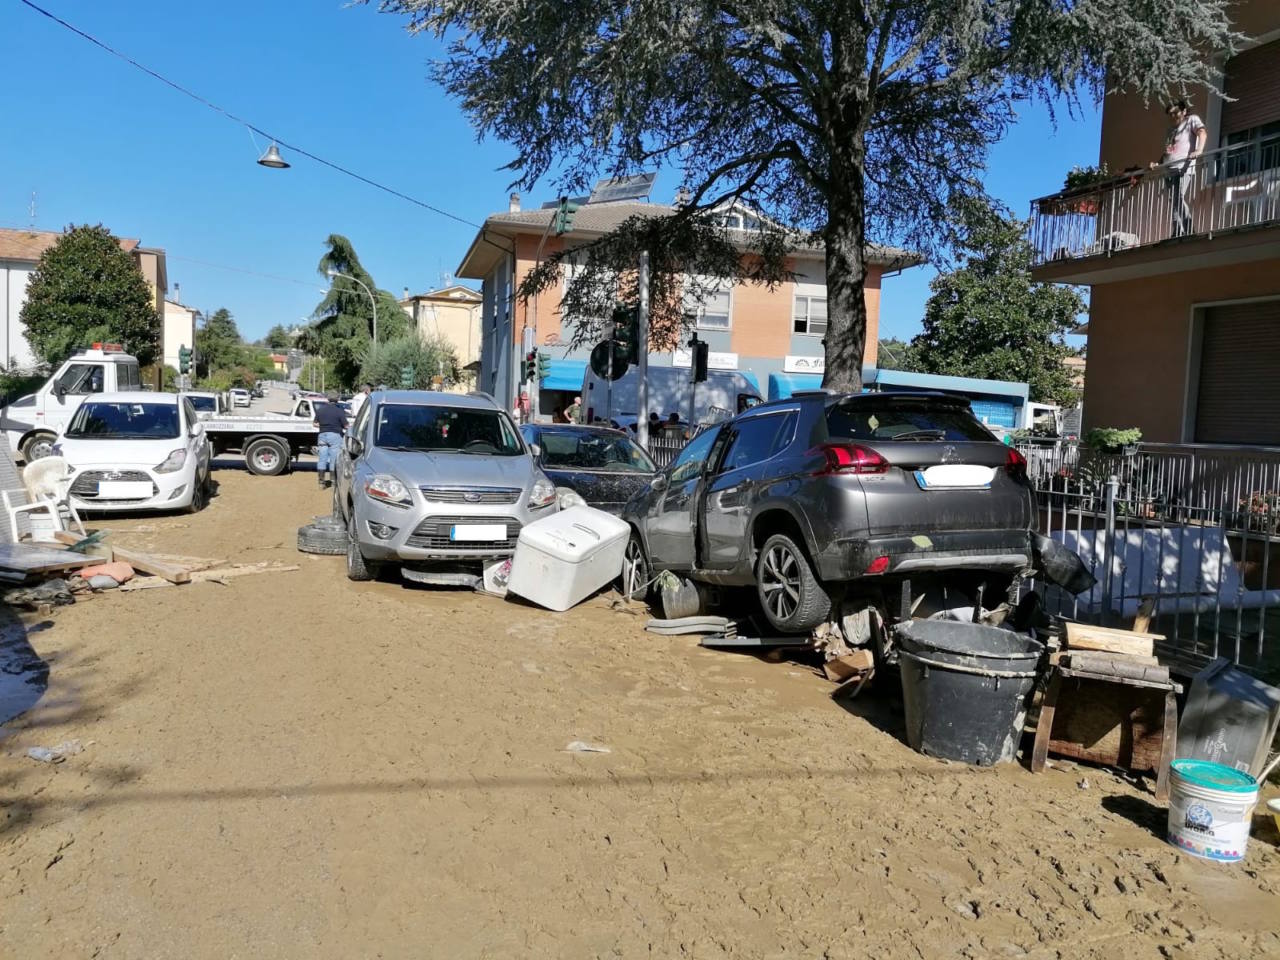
(634, 583)
(357, 567)
(37, 447)
(337, 502)
(265, 457)
(199, 496)
(792, 597)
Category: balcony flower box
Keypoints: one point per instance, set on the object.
(1057, 206)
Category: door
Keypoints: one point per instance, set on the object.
(66, 393)
(670, 526)
(731, 492)
(345, 468)
(197, 443)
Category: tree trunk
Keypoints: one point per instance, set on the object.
(846, 339)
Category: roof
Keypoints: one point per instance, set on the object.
(597, 219)
(453, 292)
(30, 244)
(435, 398)
(135, 396)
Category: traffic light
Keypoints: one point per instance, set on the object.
(184, 359)
(544, 365)
(626, 331)
(563, 217)
(700, 349)
(406, 378)
(530, 365)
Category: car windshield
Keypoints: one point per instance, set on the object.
(903, 418)
(588, 450)
(125, 421)
(403, 426)
(203, 403)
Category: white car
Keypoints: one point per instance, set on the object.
(206, 403)
(136, 451)
(239, 398)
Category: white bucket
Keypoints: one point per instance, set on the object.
(1210, 809)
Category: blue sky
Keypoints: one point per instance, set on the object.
(99, 141)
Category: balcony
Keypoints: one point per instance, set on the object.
(1136, 224)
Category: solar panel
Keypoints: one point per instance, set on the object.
(637, 187)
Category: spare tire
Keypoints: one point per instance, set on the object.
(322, 538)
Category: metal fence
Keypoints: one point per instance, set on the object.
(1225, 189)
(1192, 528)
(664, 445)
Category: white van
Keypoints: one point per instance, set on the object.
(33, 422)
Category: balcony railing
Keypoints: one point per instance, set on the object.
(1221, 190)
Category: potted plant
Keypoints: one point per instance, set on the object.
(1114, 441)
(1078, 195)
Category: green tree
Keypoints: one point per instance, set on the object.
(218, 343)
(427, 358)
(843, 118)
(343, 328)
(989, 319)
(86, 289)
(278, 338)
(895, 354)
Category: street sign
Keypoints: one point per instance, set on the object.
(600, 356)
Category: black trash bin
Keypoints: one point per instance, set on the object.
(965, 687)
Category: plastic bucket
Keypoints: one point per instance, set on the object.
(965, 688)
(1210, 809)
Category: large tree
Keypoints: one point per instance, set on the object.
(86, 289)
(277, 338)
(840, 117)
(343, 329)
(989, 319)
(218, 343)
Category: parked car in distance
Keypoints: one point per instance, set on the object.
(434, 482)
(205, 402)
(606, 468)
(239, 397)
(823, 498)
(136, 451)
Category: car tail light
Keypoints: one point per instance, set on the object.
(1015, 464)
(852, 458)
(878, 565)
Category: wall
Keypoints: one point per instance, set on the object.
(14, 351)
(179, 331)
(1139, 338)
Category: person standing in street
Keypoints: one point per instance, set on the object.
(1184, 142)
(332, 423)
(574, 410)
(358, 400)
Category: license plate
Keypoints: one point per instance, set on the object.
(124, 489)
(950, 476)
(478, 532)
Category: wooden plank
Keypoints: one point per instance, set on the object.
(1084, 636)
(1170, 749)
(29, 558)
(1044, 726)
(849, 665)
(1132, 668)
(208, 576)
(145, 563)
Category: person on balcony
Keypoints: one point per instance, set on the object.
(1183, 143)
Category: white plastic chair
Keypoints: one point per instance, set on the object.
(48, 490)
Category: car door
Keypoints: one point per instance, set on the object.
(730, 491)
(671, 526)
(346, 465)
(197, 442)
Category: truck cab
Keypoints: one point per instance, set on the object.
(33, 422)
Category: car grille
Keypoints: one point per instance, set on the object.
(433, 534)
(85, 486)
(471, 494)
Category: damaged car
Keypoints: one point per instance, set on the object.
(828, 502)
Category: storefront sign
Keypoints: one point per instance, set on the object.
(715, 361)
(794, 364)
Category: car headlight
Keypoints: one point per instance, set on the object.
(385, 488)
(543, 493)
(173, 462)
(569, 498)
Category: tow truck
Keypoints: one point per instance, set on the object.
(270, 442)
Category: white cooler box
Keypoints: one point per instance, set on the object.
(568, 556)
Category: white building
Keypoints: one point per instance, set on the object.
(179, 331)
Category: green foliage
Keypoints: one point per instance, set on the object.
(1111, 439)
(86, 289)
(428, 358)
(1080, 177)
(988, 319)
(15, 385)
(169, 379)
(343, 329)
(318, 373)
(218, 343)
(894, 354)
(277, 338)
(844, 119)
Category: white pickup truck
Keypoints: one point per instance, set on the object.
(270, 441)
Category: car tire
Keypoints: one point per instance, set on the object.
(327, 540)
(266, 457)
(793, 599)
(358, 568)
(37, 446)
(199, 495)
(634, 582)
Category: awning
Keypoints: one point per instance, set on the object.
(783, 385)
(566, 375)
(751, 379)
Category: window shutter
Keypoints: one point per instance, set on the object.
(1253, 80)
(1239, 394)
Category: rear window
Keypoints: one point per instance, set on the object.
(899, 419)
(204, 403)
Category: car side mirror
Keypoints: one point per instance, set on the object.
(60, 391)
(354, 447)
(197, 429)
(659, 482)
(535, 449)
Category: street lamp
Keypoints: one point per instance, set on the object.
(335, 274)
(273, 159)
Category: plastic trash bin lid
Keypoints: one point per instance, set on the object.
(1214, 776)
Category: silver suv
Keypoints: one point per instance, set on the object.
(435, 482)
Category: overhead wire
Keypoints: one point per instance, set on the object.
(240, 120)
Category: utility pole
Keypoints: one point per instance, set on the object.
(642, 358)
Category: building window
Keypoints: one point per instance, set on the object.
(810, 316)
(710, 307)
(1252, 151)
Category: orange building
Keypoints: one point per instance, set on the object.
(749, 328)
(1184, 260)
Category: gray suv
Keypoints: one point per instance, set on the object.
(822, 498)
(435, 481)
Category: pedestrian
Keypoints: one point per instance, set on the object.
(574, 411)
(358, 400)
(332, 423)
(1183, 143)
(655, 422)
